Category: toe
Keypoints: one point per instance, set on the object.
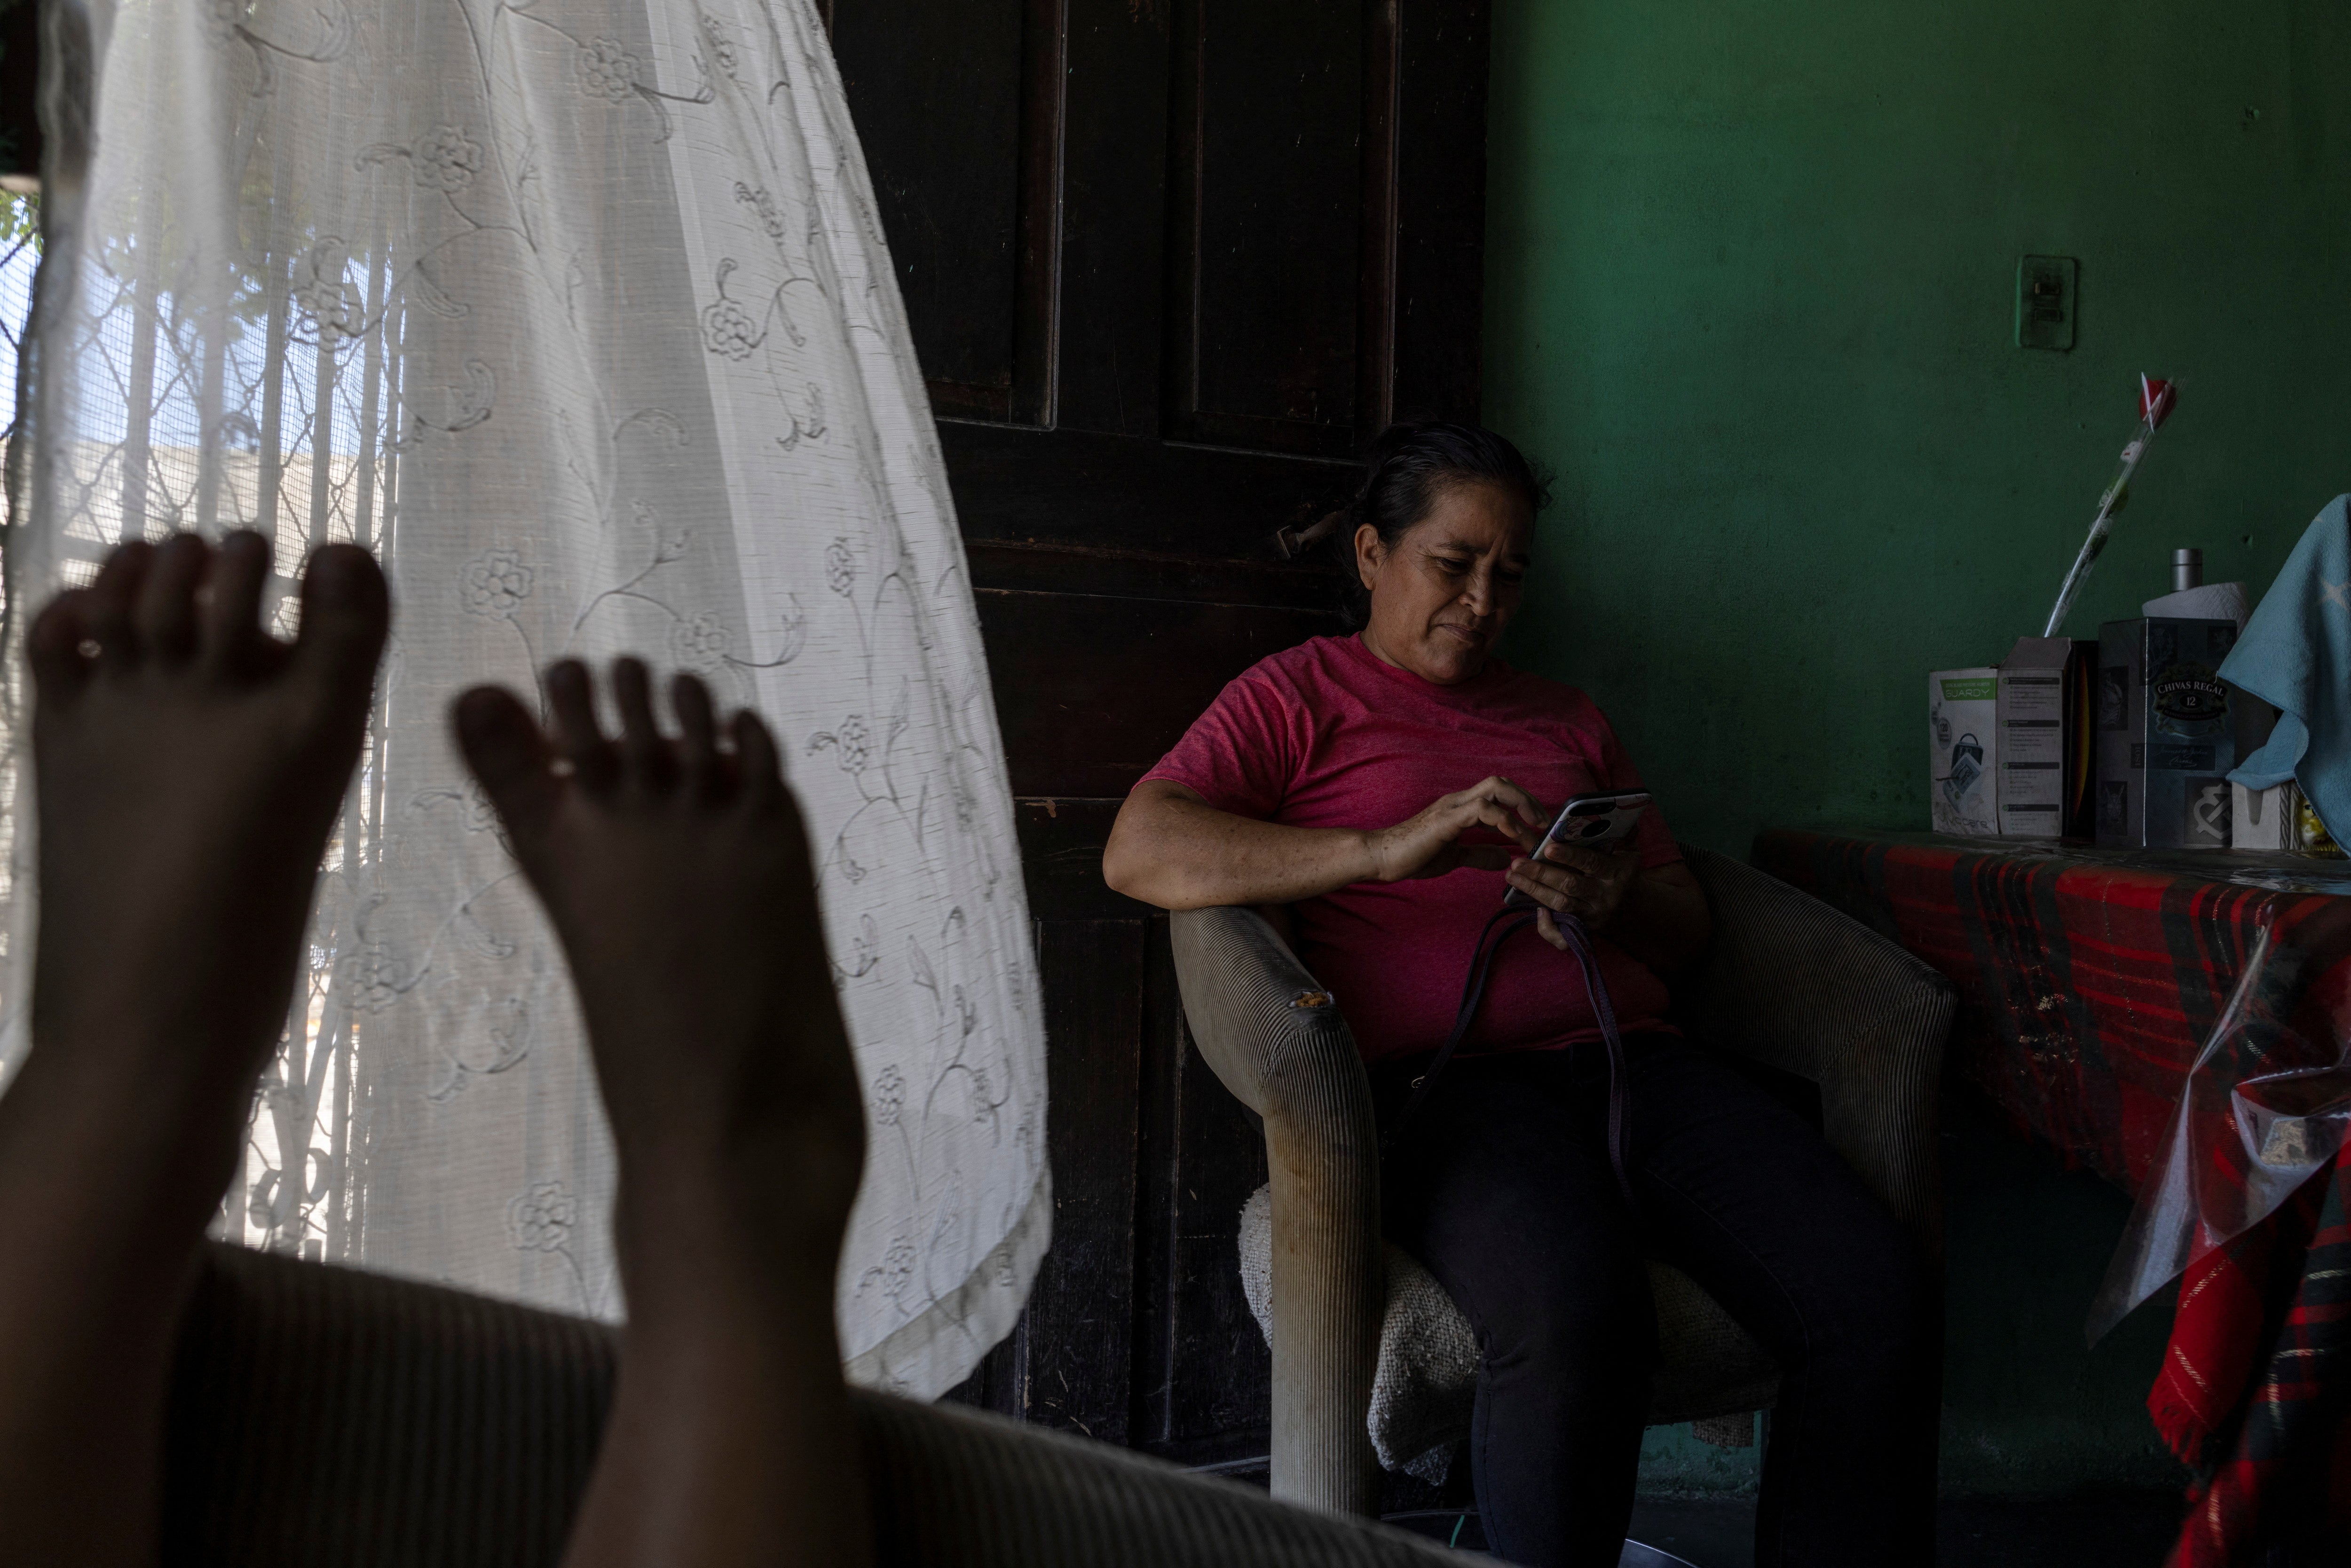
(580, 742)
(54, 649)
(697, 745)
(345, 614)
(228, 622)
(165, 618)
(510, 754)
(107, 609)
(645, 756)
(755, 754)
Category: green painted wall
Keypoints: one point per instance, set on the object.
(1751, 285)
(1750, 291)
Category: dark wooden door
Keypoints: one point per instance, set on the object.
(1170, 264)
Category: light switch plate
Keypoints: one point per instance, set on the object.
(2045, 301)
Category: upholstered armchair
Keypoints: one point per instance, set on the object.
(1372, 1362)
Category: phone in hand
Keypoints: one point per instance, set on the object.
(1588, 822)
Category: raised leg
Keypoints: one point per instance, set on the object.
(678, 877)
(187, 769)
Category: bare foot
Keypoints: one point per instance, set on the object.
(187, 769)
(678, 876)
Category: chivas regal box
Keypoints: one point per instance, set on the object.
(2166, 737)
(2045, 757)
(1963, 751)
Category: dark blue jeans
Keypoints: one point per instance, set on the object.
(1501, 1184)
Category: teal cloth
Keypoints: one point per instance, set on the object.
(2296, 655)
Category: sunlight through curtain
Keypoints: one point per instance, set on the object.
(576, 312)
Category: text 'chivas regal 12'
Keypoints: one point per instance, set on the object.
(2166, 740)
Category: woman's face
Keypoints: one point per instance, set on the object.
(1441, 597)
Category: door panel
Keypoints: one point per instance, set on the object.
(1108, 243)
(1215, 1408)
(1076, 723)
(946, 178)
(1119, 497)
(1081, 1316)
(1277, 87)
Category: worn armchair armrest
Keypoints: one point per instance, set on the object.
(1792, 982)
(1276, 1039)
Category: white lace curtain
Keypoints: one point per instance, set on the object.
(578, 314)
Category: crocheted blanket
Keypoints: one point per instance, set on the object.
(1429, 1357)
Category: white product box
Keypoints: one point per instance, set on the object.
(1963, 751)
(2043, 737)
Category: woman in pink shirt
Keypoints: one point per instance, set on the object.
(1385, 789)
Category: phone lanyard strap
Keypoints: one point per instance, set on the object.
(1499, 928)
(1579, 942)
(1473, 991)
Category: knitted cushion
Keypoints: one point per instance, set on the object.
(322, 1415)
(1427, 1376)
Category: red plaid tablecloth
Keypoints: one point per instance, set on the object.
(2088, 980)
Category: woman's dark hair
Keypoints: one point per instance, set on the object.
(1406, 469)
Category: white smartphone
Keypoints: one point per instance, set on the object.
(1589, 821)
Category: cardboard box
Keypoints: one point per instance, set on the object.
(1963, 751)
(2166, 735)
(2046, 763)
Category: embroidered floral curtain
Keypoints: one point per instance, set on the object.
(577, 312)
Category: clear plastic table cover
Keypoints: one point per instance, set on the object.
(2264, 1107)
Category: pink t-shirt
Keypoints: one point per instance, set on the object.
(1326, 736)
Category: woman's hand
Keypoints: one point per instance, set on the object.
(1590, 884)
(1430, 843)
(1658, 916)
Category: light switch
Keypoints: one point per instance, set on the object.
(2045, 301)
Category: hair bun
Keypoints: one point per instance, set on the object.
(1295, 542)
